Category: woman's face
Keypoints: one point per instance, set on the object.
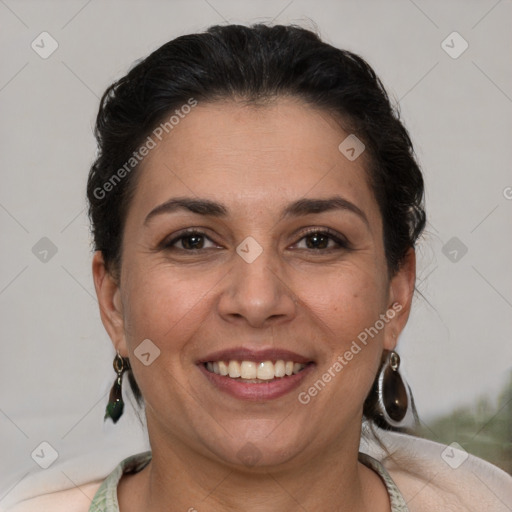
(260, 282)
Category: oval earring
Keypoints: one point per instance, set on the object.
(115, 406)
(394, 398)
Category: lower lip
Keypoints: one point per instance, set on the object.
(261, 391)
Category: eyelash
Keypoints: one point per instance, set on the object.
(342, 243)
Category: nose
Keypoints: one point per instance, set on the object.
(257, 293)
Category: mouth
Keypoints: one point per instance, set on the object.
(254, 372)
(251, 375)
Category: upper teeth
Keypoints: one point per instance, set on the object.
(264, 370)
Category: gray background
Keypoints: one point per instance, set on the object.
(56, 362)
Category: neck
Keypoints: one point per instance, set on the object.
(333, 481)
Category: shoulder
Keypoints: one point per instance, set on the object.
(77, 499)
(434, 476)
(80, 497)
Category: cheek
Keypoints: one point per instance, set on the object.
(347, 301)
(165, 304)
(168, 307)
(348, 307)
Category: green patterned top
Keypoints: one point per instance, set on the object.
(105, 499)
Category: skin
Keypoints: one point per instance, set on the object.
(312, 301)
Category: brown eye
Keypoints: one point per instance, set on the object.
(190, 240)
(320, 239)
(317, 241)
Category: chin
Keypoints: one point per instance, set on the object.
(259, 444)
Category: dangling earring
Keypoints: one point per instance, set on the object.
(115, 404)
(394, 398)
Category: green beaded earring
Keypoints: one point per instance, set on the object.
(115, 404)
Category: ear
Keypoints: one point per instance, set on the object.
(109, 300)
(401, 291)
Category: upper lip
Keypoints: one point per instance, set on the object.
(247, 354)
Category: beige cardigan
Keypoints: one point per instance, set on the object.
(432, 477)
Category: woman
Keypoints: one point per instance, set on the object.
(255, 205)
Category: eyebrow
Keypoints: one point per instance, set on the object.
(295, 209)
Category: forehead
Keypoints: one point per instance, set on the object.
(248, 157)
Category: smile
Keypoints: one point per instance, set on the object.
(254, 372)
(260, 374)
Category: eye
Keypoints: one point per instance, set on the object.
(319, 239)
(316, 239)
(190, 240)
